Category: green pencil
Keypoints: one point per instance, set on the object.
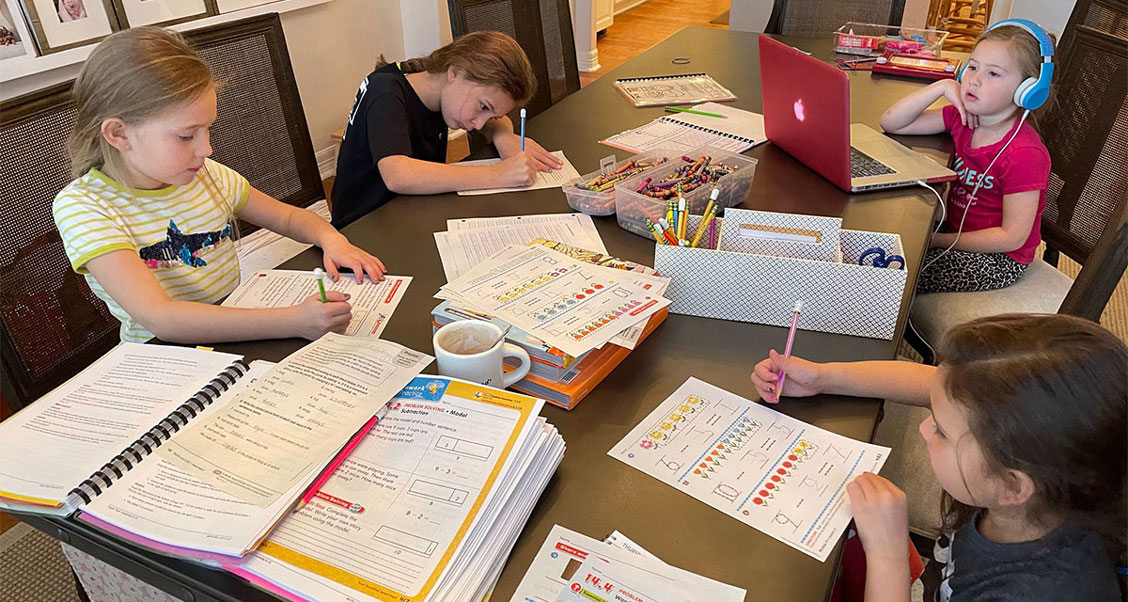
(681, 110)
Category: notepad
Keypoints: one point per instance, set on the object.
(680, 89)
(739, 131)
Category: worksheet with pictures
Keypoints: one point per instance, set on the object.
(772, 472)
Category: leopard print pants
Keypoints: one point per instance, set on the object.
(964, 271)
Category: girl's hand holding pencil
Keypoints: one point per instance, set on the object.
(803, 377)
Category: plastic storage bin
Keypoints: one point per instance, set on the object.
(593, 202)
(871, 39)
(633, 208)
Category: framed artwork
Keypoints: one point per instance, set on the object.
(62, 24)
(226, 6)
(15, 40)
(135, 13)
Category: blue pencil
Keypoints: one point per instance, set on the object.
(522, 130)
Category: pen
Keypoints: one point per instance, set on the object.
(319, 275)
(712, 234)
(681, 110)
(522, 129)
(682, 217)
(341, 456)
(787, 350)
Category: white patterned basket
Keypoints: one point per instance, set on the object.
(731, 283)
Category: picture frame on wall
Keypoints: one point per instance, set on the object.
(226, 6)
(61, 24)
(135, 13)
(15, 40)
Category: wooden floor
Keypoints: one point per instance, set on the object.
(647, 24)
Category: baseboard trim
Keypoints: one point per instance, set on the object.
(327, 162)
(622, 6)
(589, 63)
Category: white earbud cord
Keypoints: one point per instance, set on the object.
(974, 193)
(944, 215)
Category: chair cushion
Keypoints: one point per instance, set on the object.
(1040, 290)
(908, 466)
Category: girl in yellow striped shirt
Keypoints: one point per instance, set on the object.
(148, 221)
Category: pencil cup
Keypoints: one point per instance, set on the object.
(474, 350)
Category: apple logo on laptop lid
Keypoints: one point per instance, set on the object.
(800, 113)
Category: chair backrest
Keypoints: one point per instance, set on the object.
(544, 31)
(261, 130)
(52, 324)
(818, 18)
(1085, 133)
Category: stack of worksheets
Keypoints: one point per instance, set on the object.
(576, 326)
(568, 303)
(427, 507)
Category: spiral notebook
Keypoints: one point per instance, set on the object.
(737, 131)
(88, 445)
(679, 89)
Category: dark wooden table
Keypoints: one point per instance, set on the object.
(591, 492)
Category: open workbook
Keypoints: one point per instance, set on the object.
(89, 444)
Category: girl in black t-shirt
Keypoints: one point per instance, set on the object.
(395, 141)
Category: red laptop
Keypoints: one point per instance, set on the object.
(806, 105)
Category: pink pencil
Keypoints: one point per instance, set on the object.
(340, 457)
(787, 350)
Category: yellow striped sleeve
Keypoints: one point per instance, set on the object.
(86, 228)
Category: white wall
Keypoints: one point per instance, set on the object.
(1050, 14)
(333, 47)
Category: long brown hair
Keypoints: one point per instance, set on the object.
(490, 58)
(132, 75)
(1045, 395)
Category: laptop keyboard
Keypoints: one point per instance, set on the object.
(864, 166)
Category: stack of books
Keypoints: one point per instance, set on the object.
(556, 376)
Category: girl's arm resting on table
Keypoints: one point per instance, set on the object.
(128, 280)
(1019, 211)
(308, 227)
(911, 114)
(404, 175)
(903, 382)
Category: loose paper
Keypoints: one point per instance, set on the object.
(777, 474)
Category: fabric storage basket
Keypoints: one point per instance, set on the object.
(632, 208)
(734, 283)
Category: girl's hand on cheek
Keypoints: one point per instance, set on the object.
(951, 89)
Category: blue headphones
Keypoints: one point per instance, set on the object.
(1033, 92)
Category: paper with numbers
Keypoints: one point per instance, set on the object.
(772, 472)
(570, 304)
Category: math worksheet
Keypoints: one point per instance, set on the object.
(372, 302)
(463, 249)
(389, 520)
(565, 551)
(777, 474)
(572, 305)
(259, 445)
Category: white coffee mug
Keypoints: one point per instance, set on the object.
(461, 350)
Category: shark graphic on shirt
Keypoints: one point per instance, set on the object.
(178, 247)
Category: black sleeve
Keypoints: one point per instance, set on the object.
(388, 130)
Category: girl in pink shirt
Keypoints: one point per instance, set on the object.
(994, 215)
